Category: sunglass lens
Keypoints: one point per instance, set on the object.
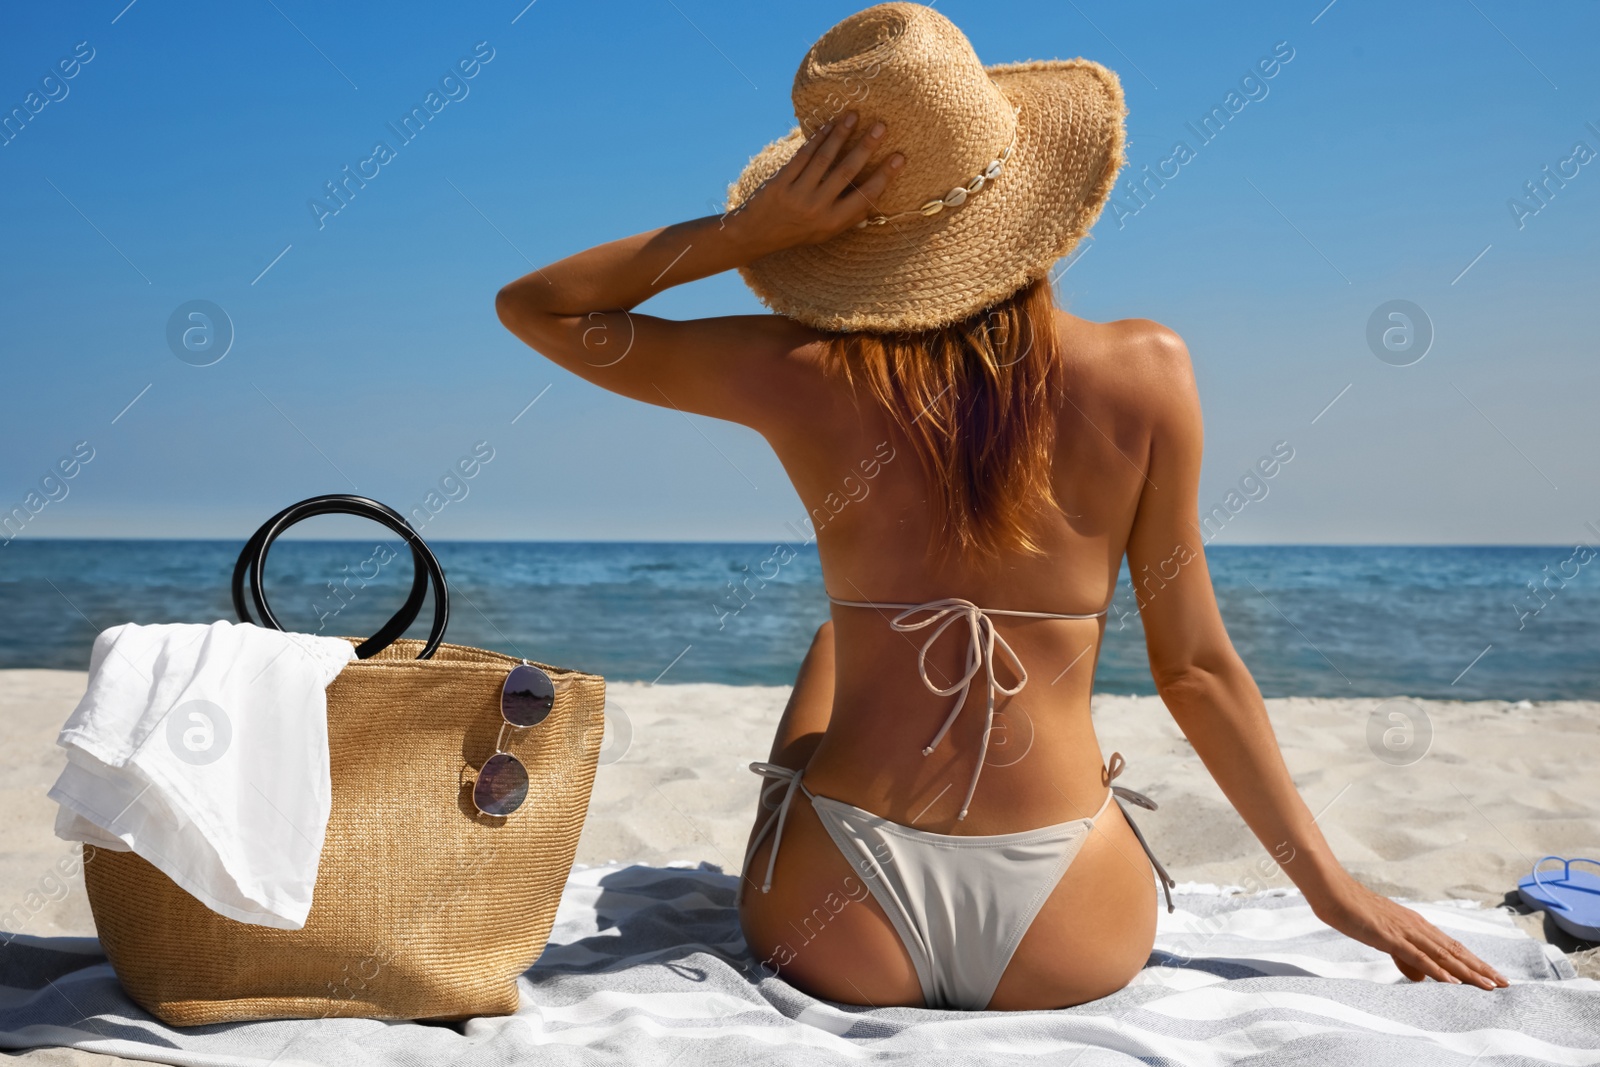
(527, 697)
(502, 785)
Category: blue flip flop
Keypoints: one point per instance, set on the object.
(1573, 899)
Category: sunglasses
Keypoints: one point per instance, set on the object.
(525, 700)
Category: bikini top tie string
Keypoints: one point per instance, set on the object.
(982, 640)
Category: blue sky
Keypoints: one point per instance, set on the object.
(177, 165)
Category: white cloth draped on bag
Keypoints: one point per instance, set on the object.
(204, 748)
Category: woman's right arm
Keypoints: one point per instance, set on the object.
(1214, 700)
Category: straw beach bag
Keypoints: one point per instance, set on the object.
(424, 907)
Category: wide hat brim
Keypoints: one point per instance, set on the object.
(929, 271)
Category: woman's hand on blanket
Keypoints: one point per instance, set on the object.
(1419, 948)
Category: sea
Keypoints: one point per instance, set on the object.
(1498, 622)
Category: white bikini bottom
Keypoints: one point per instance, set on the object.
(961, 904)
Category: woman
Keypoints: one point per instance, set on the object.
(1011, 456)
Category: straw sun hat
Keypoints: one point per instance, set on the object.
(1006, 168)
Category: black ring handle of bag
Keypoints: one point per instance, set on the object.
(253, 560)
(390, 630)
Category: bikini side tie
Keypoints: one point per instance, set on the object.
(776, 776)
(1121, 793)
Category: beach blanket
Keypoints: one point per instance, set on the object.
(646, 966)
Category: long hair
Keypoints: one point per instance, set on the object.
(977, 399)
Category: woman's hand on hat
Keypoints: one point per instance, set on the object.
(816, 195)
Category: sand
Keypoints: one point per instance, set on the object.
(1499, 786)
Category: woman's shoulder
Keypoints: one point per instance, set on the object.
(1136, 359)
(1123, 346)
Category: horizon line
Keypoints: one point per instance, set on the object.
(756, 541)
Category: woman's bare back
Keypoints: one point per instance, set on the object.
(869, 500)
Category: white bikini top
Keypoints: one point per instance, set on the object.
(983, 639)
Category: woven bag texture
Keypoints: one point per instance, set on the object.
(423, 908)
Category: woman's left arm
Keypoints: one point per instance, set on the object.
(578, 311)
(1216, 703)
